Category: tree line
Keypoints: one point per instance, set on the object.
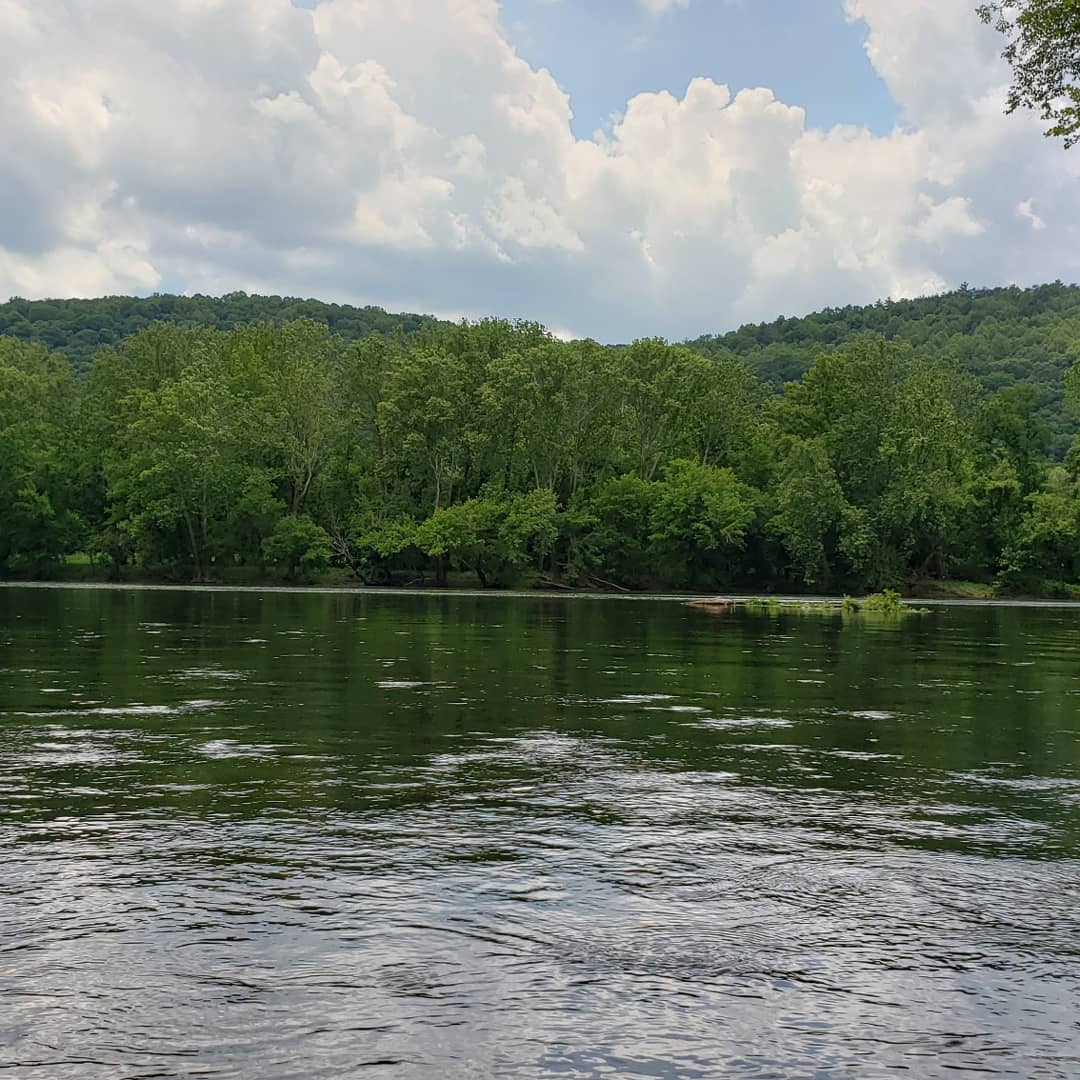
(78, 328)
(1004, 336)
(494, 450)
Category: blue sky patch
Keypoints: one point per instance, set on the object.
(603, 52)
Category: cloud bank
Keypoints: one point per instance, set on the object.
(405, 154)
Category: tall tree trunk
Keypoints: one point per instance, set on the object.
(194, 546)
(300, 490)
(204, 525)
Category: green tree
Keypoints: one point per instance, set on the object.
(493, 537)
(1008, 427)
(378, 546)
(1046, 546)
(1043, 49)
(994, 517)
(700, 522)
(530, 527)
(298, 547)
(895, 433)
(468, 535)
(423, 423)
(38, 459)
(183, 461)
(287, 374)
(655, 387)
(809, 509)
(615, 523)
(550, 412)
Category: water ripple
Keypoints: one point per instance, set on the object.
(580, 841)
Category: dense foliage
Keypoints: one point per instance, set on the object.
(497, 451)
(1043, 49)
(1003, 337)
(78, 328)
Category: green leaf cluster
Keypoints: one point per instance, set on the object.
(1043, 49)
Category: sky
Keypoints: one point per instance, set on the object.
(612, 168)
(806, 51)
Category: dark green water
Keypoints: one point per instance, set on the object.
(270, 835)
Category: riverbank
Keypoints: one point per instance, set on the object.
(925, 592)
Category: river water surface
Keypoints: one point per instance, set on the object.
(270, 835)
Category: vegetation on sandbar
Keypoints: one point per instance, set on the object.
(887, 604)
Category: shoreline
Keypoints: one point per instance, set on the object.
(688, 598)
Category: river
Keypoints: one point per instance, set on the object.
(297, 835)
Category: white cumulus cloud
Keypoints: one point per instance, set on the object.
(661, 7)
(405, 154)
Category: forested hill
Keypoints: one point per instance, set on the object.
(78, 328)
(1002, 336)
